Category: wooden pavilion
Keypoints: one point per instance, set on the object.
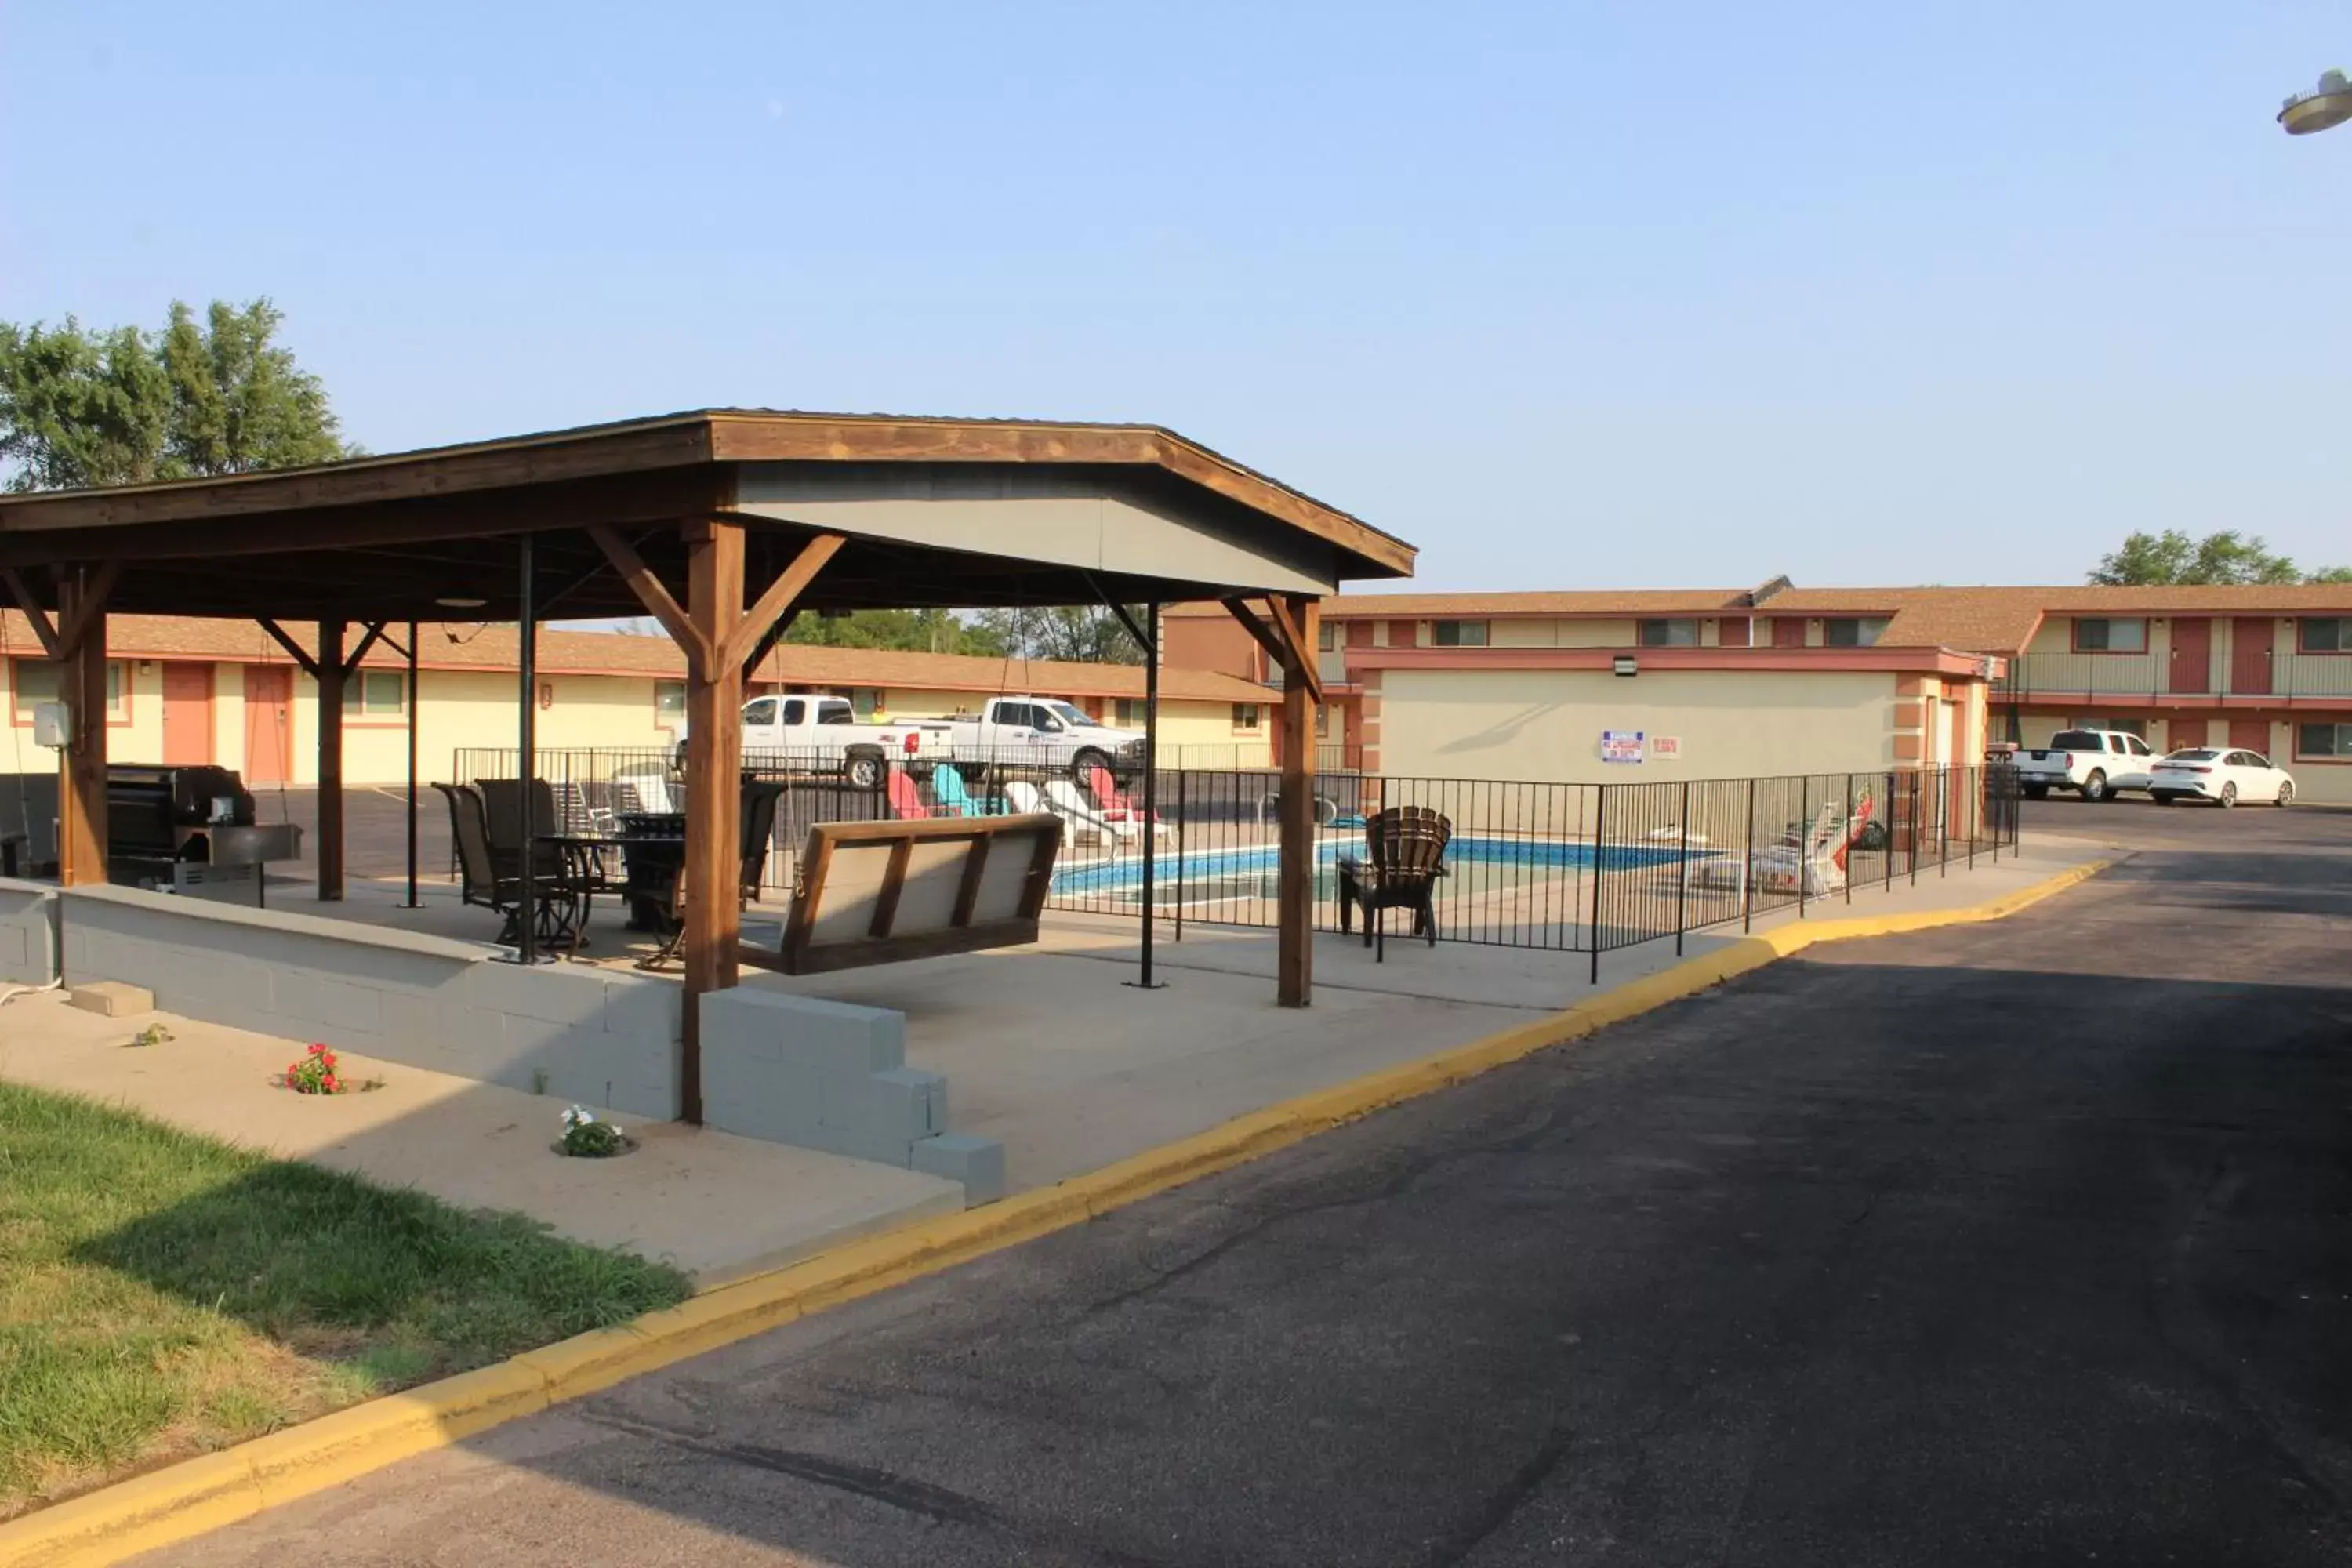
(722, 524)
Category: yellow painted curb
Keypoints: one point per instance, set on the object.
(204, 1494)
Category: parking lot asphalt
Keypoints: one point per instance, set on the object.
(2015, 1243)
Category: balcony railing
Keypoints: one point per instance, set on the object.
(2286, 677)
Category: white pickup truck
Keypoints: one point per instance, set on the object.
(2095, 763)
(819, 734)
(1041, 731)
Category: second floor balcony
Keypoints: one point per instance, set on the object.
(2286, 678)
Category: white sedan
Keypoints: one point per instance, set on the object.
(2224, 777)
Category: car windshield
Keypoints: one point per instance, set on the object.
(2075, 740)
(2192, 756)
(1075, 717)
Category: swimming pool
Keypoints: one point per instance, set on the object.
(1212, 873)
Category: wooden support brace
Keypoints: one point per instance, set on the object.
(1264, 634)
(43, 627)
(700, 656)
(767, 643)
(294, 650)
(790, 583)
(90, 605)
(373, 635)
(1300, 664)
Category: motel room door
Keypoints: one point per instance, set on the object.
(187, 714)
(2252, 639)
(2192, 656)
(2251, 735)
(268, 724)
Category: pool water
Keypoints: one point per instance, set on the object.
(1206, 876)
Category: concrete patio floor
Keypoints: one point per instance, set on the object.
(717, 1205)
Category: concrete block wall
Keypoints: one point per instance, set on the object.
(825, 1075)
(576, 1033)
(29, 934)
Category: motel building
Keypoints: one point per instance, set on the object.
(1779, 679)
(186, 689)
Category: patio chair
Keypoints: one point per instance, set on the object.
(502, 817)
(1112, 800)
(558, 899)
(906, 800)
(955, 800)
(759, 832)
(1063, 799)
(1405, 850)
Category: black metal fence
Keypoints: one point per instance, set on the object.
(1571, 867)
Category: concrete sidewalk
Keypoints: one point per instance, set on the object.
(717, 1205)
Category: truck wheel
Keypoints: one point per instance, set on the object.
(2095, 788)
(863, 771)
(1083, 766)
(2037, 791)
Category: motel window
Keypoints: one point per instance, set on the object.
(2323, 741)
(1245, 715)
(377, 694)
(865, 701)
(2137, 726)
(2325, 634)
(1677, 633)
(1322, 724)
(669, 702)
(1853, 631)
(1129, 713)
(35, 680)
(2099, 635)
(1327, 635)
(1459, 634)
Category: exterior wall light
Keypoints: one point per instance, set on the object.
(1625, 664)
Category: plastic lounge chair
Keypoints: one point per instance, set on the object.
(948, 789)
(906, 801)
(1112, 800)
(1405, 854)
(1062, 797)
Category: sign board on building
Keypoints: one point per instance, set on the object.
(1620, 745)
(1665, 748)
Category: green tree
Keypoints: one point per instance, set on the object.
(80, 407)
(2331, 574)
(1079, 634)
(921, 631)
(2173, 559)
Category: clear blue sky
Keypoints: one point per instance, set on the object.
(1568, 294)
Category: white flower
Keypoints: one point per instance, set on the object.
(577, 1116)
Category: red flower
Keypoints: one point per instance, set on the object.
(317, 1050)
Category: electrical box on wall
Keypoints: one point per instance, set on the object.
(52, 725)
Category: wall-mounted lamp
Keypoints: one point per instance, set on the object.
(1625, 664)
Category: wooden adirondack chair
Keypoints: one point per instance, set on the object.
(1405, 854)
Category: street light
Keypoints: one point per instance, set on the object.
(2328, 105)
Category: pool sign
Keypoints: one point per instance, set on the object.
(1620, 745)
(1665, 748)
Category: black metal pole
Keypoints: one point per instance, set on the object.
(412, 765)
(1852, 839)
(1747, 866)
(1599, 818)
(527, 757)
(1180, 813)
(1151, 783)
(1682, 873)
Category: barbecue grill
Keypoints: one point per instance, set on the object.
(190, 831)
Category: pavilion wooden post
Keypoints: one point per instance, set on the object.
(81, 684)
(717, 635)
(329, 673)
(1288, 633)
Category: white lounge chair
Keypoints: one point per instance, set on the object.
(1063, 799)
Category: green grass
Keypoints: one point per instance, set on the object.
(162, 1294)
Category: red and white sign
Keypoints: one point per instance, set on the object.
(1665, 748)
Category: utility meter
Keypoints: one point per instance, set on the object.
(52, 725)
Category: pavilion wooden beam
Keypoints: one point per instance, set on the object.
(780, 596)
(81, 799)
(329, 670)
(1294, 873)
(1290, 625)
(714, 761)
(1259, 631)
(294, 650)
(374, 634)
(768, 641)
(655, 596)
(43, 627)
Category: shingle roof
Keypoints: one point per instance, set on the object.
(495, 648)
(1974, 619)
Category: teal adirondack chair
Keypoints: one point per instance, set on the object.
(947, 788)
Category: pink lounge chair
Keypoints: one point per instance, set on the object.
(1110, 800)
(906, 803)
